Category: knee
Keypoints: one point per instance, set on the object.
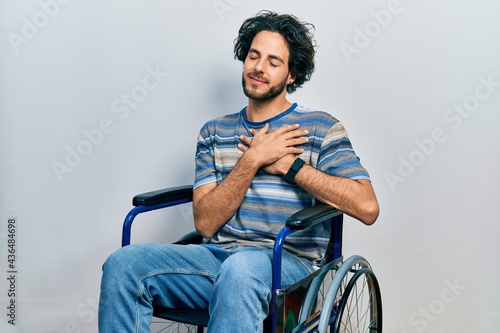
(244, 268)
(116, 260)
(244, 283)
(122, 262)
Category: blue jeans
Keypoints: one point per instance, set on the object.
(233, 284)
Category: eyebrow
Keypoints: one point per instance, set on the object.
(252, 50)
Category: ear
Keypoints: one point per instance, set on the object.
(291, 77)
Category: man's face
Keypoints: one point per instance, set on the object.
(265, 70)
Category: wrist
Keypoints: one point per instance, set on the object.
(250, 160)
(289, 177)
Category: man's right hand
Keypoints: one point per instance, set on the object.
(275, 151)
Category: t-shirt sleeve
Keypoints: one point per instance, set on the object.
(204, 159)
(337, 156)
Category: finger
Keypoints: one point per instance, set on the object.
(297, 133)
(263, 130)
(297, 141)
(245, 139)
(287, 128)
(294, 150)
(242, 147)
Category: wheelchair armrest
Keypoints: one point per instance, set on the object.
(154, 200)
(163, 196)
(311, 216)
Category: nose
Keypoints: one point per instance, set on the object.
(260, 66)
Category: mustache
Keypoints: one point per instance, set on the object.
(257, 76)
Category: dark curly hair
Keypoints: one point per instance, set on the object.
(298, 34)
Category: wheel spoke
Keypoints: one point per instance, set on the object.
(359, 310)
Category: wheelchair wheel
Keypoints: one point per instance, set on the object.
(360, 308)
(164, 326)
(353, 302)
(312, 302)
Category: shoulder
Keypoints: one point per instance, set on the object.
(322, 123)
(221, 123)
(315, 116)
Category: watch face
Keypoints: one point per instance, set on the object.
(297, 164)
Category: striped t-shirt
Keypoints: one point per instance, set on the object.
(270, 200)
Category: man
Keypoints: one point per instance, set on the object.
(245, 188)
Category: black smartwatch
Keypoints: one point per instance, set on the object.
(290, 175)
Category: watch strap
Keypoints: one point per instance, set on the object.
(290, 175)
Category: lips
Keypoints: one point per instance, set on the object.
(256, 79)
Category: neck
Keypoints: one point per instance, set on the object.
(258, 111)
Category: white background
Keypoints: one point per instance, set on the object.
(394, 72)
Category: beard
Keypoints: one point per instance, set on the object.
(266, 95)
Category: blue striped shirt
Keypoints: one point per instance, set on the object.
(270, 200)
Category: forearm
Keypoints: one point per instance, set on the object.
(356, 198)
(214, 205)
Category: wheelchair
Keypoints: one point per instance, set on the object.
(341, 296)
